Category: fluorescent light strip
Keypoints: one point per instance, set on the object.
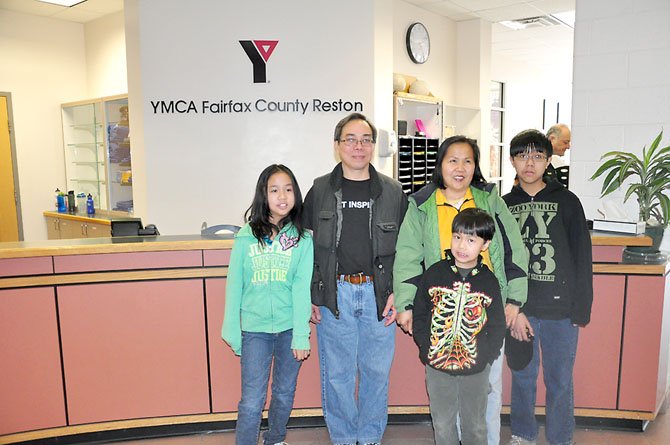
(68, 3)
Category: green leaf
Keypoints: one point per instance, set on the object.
(653, 147)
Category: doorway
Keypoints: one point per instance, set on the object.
(10, 218)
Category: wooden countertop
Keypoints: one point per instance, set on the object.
(616, 239)
(83, 246)
(104, 217)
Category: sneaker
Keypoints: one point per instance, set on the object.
(516, 440)
(281, 443)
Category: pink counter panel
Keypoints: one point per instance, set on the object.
(31, 387)
(134, 350)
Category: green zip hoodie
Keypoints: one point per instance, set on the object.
(268, 287)
(418, 245)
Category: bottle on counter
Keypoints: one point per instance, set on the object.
(71, 203)
(60, 201)
(81, 202)
(90, 207)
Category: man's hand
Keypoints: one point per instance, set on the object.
(511, 312)
(316, 314)
(404, 320)
(389, 311)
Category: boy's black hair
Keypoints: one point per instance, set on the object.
(258, 213)
(477, 177)
(528, 141)
(474, 221)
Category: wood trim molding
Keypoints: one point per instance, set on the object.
(110, 277)
(305, 412)
(108, 245)
(637, 269)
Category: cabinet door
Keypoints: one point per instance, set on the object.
(94, 230)
(71, 229)
(134, 350)
(53, 232)
(31, 382)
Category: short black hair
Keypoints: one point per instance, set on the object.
(474, 221)
(354, 117)
(477, 177)
(528, 141)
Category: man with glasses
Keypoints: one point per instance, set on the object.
(560, 290)
(355, 213)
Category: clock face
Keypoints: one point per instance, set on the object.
(418, 43)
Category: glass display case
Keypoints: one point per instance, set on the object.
(84, 144)
(96, 138)
(118, 155)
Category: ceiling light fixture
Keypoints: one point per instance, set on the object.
(68, 3)
(542, 21)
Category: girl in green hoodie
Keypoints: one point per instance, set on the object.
(268, 303)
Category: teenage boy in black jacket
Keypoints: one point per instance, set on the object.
(459, 326)
(560, 289)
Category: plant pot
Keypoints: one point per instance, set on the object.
(647, 254)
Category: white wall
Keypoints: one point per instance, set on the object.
(106, 56)
(194, 167)
(43, 65)
(621, 95)
(439, 71)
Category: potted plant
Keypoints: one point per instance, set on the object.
(650, 182)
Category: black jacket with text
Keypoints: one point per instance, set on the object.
(560, 271)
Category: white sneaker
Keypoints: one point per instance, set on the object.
(516, 440)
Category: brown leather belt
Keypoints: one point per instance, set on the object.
(357, 278)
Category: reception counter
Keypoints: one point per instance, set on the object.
(108, 336)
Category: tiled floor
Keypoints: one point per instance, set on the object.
(657, 433)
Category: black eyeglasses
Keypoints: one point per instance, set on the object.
(533, 157)
(352, 141)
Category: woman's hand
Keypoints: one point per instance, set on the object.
(522, 329)
(300, 354)
(511, 313)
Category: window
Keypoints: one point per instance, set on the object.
(497, 98)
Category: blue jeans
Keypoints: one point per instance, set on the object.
(557, 339)
(356, 345)
(258, 351)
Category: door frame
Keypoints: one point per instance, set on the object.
(12, 147)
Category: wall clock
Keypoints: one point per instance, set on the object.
(418, 42)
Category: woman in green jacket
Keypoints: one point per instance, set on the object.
(457, 183)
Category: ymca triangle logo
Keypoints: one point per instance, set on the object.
(266, 47)
(258, 52)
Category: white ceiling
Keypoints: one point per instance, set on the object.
(536, 44)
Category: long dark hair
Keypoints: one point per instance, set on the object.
(477, 177)
(258, 213)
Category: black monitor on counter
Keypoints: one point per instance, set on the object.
(126, 227)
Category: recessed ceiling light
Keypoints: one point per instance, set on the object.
(68, 3)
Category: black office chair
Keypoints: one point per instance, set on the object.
(563, 175)
(214, 230)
